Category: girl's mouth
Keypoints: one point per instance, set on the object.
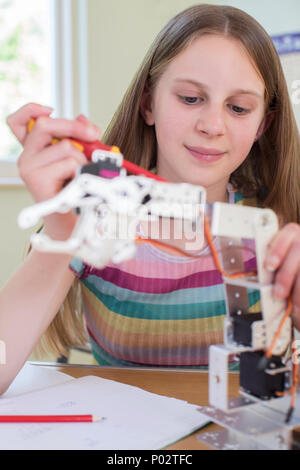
(205, 154)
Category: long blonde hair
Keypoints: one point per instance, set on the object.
(272, 169)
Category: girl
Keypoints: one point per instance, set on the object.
(209, 106)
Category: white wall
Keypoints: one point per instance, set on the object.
(14, 241)
(120, 33)
(276, 16)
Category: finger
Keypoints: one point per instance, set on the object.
(58, 173)
(61, 150)
(46, 128)
(18, 121)
(280, 245)
(288, 271)
(82, 118)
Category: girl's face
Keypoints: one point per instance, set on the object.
(208, 109)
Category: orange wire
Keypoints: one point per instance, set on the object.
(293, 389)
(216, 257)
(188, 255)
(281, 324)
(166, 246)
(295, 380)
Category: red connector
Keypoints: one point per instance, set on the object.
(89, 147)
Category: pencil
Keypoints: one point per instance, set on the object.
(49, 418)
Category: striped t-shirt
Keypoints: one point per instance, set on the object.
(157, 309)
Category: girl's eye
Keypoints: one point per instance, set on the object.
(190, 99)
(239, 109)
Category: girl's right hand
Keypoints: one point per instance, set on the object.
(45, 168)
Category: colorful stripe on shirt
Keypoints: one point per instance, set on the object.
(156, 309)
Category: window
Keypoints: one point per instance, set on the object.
(25, 62)
(43, 59)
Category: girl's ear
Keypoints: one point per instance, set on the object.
(265, 123)
(146, 107)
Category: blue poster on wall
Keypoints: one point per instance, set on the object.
(287, 43)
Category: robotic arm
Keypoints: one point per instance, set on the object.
(110, 210)
(110, 205)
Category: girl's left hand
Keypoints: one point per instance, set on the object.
(284, 258)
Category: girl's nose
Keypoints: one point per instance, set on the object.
(211, 121)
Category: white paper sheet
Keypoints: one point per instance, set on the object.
(35, 377)
(134, 418)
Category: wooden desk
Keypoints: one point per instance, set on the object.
(191, 386)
